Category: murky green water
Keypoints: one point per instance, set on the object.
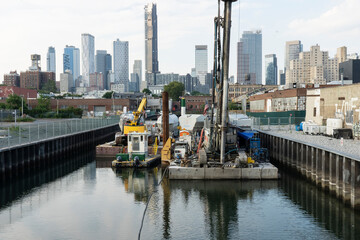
(85, 199)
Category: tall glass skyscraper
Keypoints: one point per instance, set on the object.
(71, 61)
(51, 60)
(121, 62)
(271, 69)
(151, 44)
(87, 56)
(292, 51)
(103, 65)
(201, 62)
(249, 58)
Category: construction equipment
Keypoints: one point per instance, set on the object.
(137, 124)
(166, 151)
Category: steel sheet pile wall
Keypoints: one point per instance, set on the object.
(17, 160)
(331, 170)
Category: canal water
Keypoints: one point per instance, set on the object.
(84, 198)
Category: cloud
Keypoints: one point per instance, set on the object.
(341, 19)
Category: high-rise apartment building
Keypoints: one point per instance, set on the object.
(87, 56)
(249, 58)
(151, 44)
(271, 69)
(103, 65)
(341, 54)
(201, 62)
(292, 51)
(313, 67)
(71, 62)
(12, 79)
(51, 60)
(121, 62)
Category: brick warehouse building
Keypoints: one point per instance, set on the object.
(91, 105)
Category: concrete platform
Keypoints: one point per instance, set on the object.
(264, 171)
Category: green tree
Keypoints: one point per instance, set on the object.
(108, 95)
(49, 86)
(234, 106)
(195, 93)
(175, 90)
(146, 91)
(43, 105)
(13, 102)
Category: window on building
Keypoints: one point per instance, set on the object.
(314, 111)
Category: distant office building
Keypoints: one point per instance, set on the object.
(137, 68)
(102, 62)
(108, 61)
(151, 44)
(341, 54)
(66, 82)
(351, 70)
(292, 51)
(249, 58)
(121, 62)
(87, 56)
(282, 78)
(51, 60)
(134, 84)
(201, 62)
(96, 81)
(193, 72)
(12, 79)
(271, 69)
(71, 61)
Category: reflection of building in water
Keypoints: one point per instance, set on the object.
(24, 196)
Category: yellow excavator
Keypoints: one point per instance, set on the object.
(138, 123)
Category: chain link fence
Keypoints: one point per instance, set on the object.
(277, 124)
(26, 133)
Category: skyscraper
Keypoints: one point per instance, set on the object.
(121, 62)
(270, 69)
(137, 68)
(87, 56)
(249, 58)
(292, 51)
(201, 62)
(151, 44)
(71, 61)
(103, 65)
(51, 60)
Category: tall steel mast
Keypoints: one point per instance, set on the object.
(222, 83)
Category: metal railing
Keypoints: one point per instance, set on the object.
(278, 124)
(27, 133)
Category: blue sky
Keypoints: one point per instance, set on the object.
(31, 26)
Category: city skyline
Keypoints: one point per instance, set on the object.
(313, 25)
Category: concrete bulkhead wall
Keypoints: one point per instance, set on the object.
(330, 170)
